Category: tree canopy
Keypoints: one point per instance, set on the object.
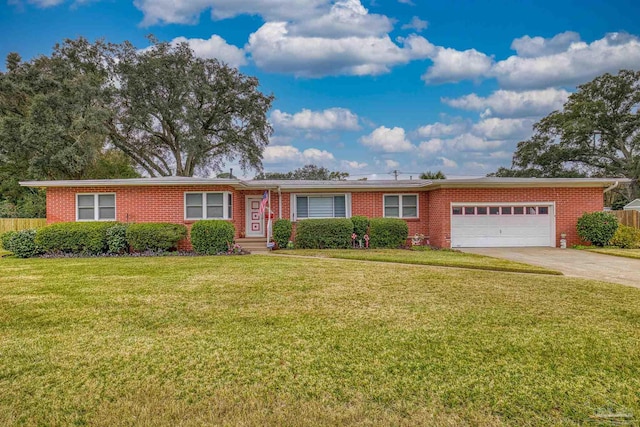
(102, 110)
(307, 172)
(51, 126)
(432, 175)
(596, 134)
(174, 113)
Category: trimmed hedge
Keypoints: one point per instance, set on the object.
(597, 227)
(387, 233)
(117, 239)
(626, 237)
(360, 225)
(282, 230)
(155, 236)
(211, 237)
(332, 233)
(74, 237)
(21, 243)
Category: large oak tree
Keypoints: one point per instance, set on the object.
(74, 113)
(176, 114)
(596, 134)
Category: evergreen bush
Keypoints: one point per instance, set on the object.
(333, 233)
(597, 227)
(211, 237)
(155, 236)
(388, 233)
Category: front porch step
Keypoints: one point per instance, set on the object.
(253, 244)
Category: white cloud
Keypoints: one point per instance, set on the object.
(280, 140)
(450, 65)
(578, 63)
(291, 154)
(353, 165)
(326, 120)
(280, 154)
(505, 103)
(470, 142)
(532, 47)
(438, 129)
(387, 140)
(345, 18)
(416, 24)
(562, 60)
(188, 11)
(215, 47)
(409, 2)
(501, 129)
(315, 155)
(391, 163)
(432, 146)
(448, 163)
(274, 49)
(463, 143)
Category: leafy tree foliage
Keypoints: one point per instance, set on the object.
(100, 110)
(596, 134)
(175, 114)
(307, 172)
(432, 175)
(51, 124)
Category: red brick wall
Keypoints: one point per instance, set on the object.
(147, 204)
(570, 204)
(166, 204)
(370, 204)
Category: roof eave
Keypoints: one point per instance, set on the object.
(133, 182)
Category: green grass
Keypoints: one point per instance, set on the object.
(265, 340)
(441, 258)
(4, 253)
(626, 253)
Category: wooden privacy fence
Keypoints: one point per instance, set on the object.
(628, 218)
(15, 224)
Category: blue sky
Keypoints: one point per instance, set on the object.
(371, 86)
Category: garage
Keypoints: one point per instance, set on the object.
(480, 225)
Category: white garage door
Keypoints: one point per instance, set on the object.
(478, 225)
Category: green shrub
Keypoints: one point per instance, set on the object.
(597, 227)
(5, 239)
(74, 237)
(387, 232)
(626, 237)
(282, 229)
(332, 233)
(211, 237)
(155, 236)
(21, 243)
(360, 225)
(117, 239)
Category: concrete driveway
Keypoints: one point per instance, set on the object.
(572, 262)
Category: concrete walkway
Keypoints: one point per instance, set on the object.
(572, 262)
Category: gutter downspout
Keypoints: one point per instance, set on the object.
(606, 190)
(279, 202)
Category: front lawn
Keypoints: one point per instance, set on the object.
(265, 340)
(442, 258)
(626, 253)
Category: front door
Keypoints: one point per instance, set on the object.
(255, 220)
